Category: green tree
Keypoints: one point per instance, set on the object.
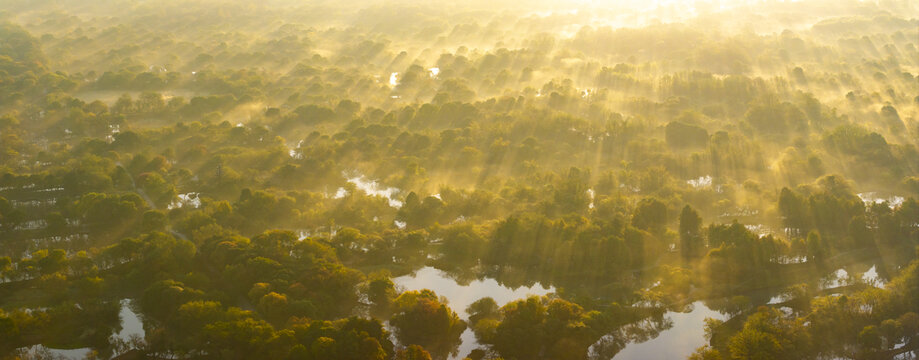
(413, 352)
(153, 220)
(521, 329)
(690, 232)
(706, 353)
(422, 319)
(681, 135)
(870, 339)
(484, 308)
(767, 334)
(650, 215)
(793, 210)
(6, 266)
(816, 249)
(240, 339)
(381, 292)
(274, 306)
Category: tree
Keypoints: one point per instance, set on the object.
(571, 192)
(274, 244)
(767, 334)
(153, 220)
(690, 232)
(323, 348)
(163, 297)
(768, 116)
(19, 50)
(521, 328)
(681, 135)
(650, 215)
(52, 261)
(711, 325)
(241, 339)
(9, 330)
(870, 339)
(6, 266)
(816, 249)
(705, 353)
(891, 332)
(799, 296)
(909, 325)
(150, 102)
(274, 307)
(755, 345)
(108, 211)
(123, 105)
(793, 209)
(381, 292)
(422, 319)
(484, 308)
(413, 352)
(188, 320)
(371, 340)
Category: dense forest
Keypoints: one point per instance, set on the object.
(318, 179)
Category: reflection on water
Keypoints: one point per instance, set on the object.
(778, 299)
(701, 182)
(460, 296)
(873, 278)
(677, 342)
(371, 188)
(131, 325)
(871, 198)
(842, 277)
(131, 328)
(42, 352)
(836, 279)
(190, 199)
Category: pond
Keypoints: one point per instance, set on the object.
(131, 327)
(189, 199)
(843, 277)
(131, 324)
(371, 188)
(677, 342)
(873, 278)
(43, 352)
(871, 198)
(460, 296)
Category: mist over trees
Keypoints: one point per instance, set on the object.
(258, 180)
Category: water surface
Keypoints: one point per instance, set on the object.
(677, 342)
(461, 296)
(131, 324)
